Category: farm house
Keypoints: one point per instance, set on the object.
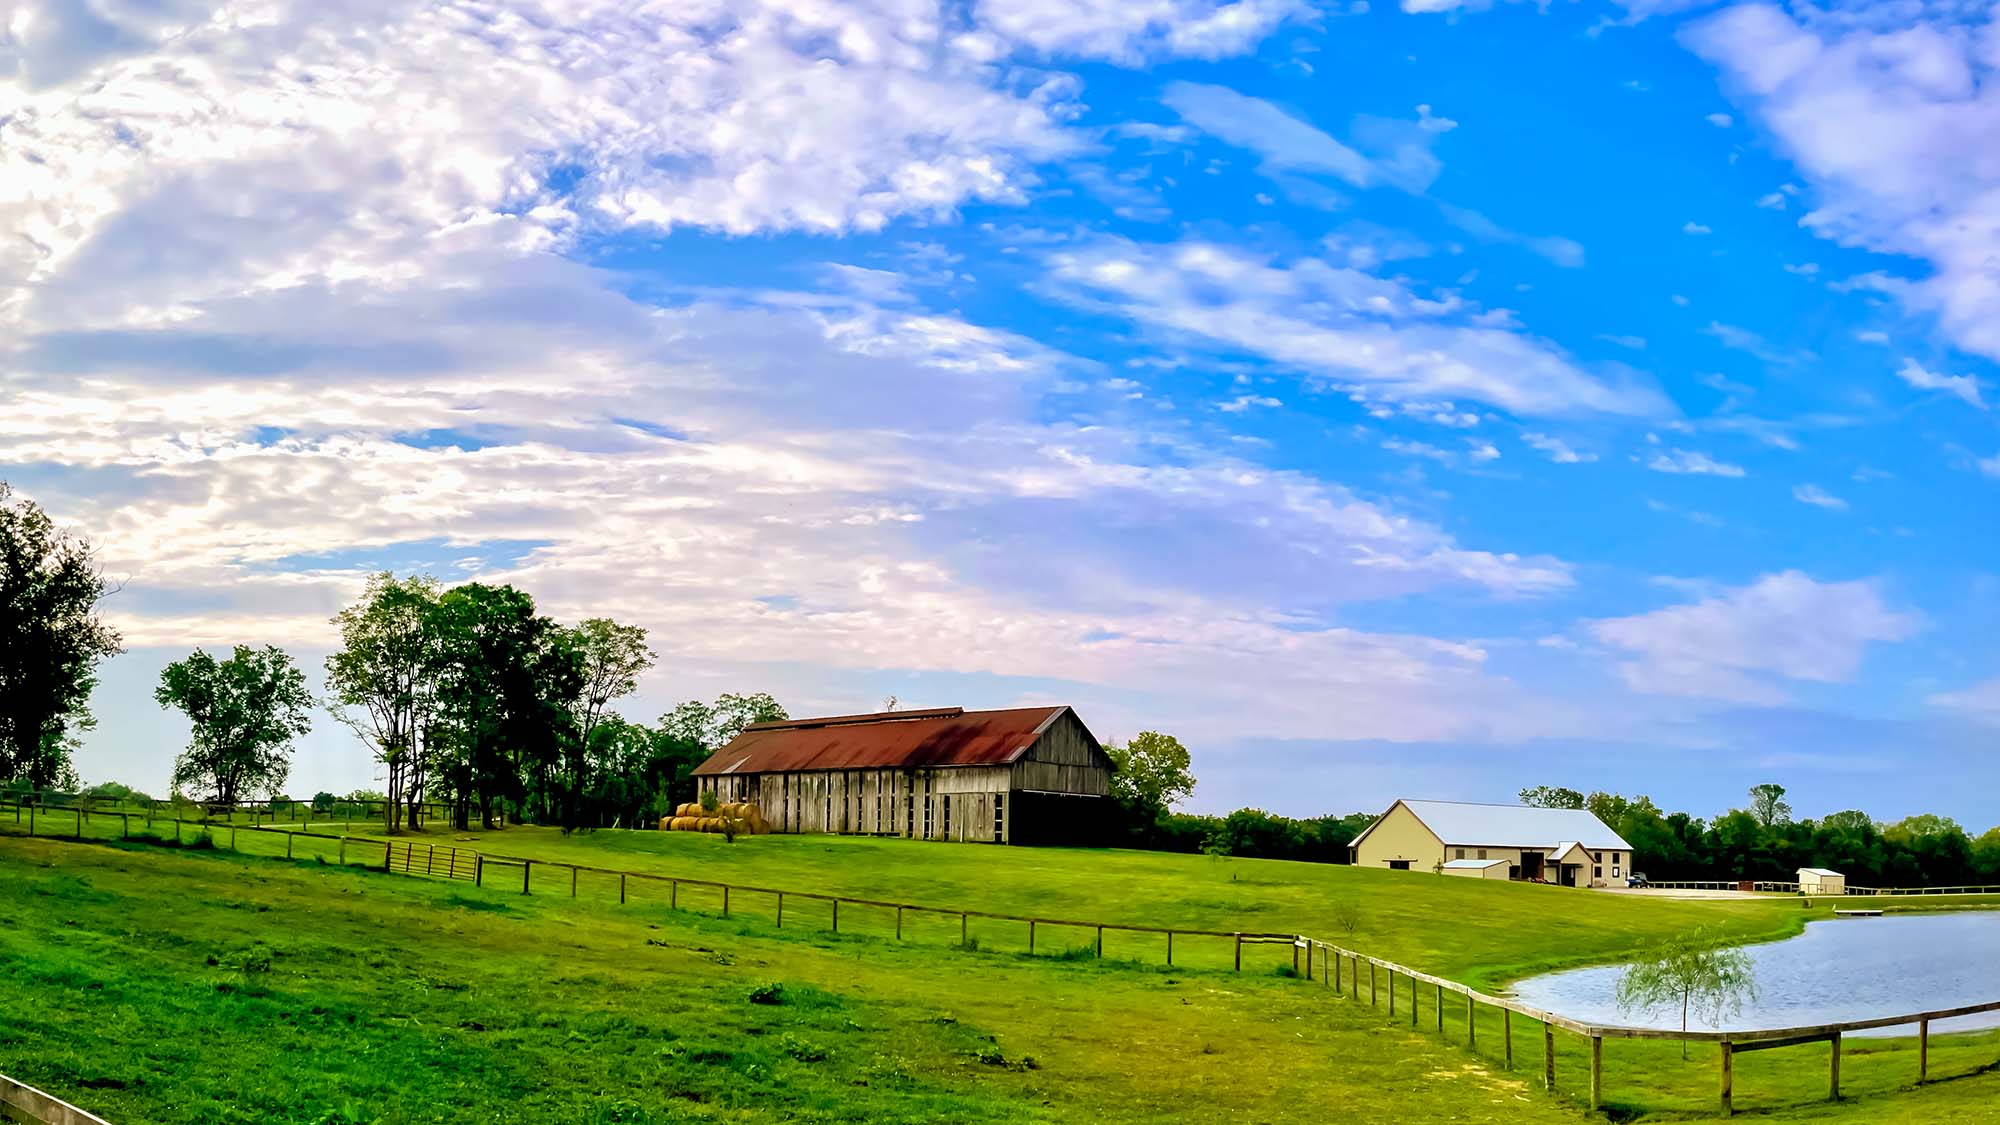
(1566, 846)
(1032, 775)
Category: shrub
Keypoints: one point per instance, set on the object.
(773, 993)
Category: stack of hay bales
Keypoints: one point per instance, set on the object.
(691, 817)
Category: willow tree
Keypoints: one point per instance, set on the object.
(380, 681)
(1693, 973)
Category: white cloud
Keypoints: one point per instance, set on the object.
(1772, 201)
(1635, 343)
(1963, 387)
(1557, 450)
(1981, 701)
(1720, 120)
(1285, 142)
(1373, 335)
(1692, 227)
(1818, 497)
(1879, 111)
(369, 126)
(1689, 461)
(1744, 644)
(1803, 269)
(1564, 252)
(1134, 31)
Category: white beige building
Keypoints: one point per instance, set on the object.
(1570, 847)
(1820, 881)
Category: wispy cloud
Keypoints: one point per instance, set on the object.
(1744, 644)
(1818, 497)
(1965, 388)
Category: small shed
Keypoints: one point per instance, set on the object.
(1477, 868)
(1820, 881)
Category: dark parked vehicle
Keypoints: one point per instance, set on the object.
(1637, 879)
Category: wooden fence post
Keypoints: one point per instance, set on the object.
(1440, 1011)
(1471, 1021)
(1596, 1072)
(725, 900)
(31, 820)
(1295, 958)
(1170, 949)
(1031, 937)
(1354, 963)
(899, 923)
(479, 870)
(232, 842)
(836, 916)
(1392, 990)
(673, 892)
(572, 881)
(124, 826)
(1923, 1050)
(1239, 953)
(1833, 1075)
(1333, 970)
(1507, 1035)
(288, 845)
(388, 853)
(1728, 1078)
(781, 910)
(961, 931)
(1100, 941)
(79, 822)
(526, 865)
(621, 888)
(1371, 986)
(1548, 1055)
(343, 850)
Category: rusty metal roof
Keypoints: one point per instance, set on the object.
(946, 736)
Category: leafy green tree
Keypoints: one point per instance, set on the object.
(1151, 774)
(51, 641)
(381, 682)
(714, 724)
(1552, 797)
(734, 712)
(1693, 973)
(1767, 804)
(1254, 833)
(507, 682)
(614, 656)
(245, 713)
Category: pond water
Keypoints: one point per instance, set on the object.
(1844, 969)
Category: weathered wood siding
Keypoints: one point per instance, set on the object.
(966, 803)
(1065, 759)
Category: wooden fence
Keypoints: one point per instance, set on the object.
(1335, 966)
(22, 1102)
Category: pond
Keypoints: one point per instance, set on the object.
(1844, 969)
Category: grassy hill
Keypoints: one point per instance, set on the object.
(1481, 932)
(155, 985)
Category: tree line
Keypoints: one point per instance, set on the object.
(1763, 841)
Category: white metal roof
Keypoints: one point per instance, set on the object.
(1481, 864)
(1518, 826)
(1819, 871)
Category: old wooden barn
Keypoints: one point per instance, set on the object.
(1030, 775)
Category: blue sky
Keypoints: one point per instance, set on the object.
(1391, 401)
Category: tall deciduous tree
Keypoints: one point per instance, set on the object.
(51, 640)
(1767, 804)
(1552, 797)
(245, 712)
(381, 684)
(1151, 774)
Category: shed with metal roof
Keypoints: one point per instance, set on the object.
(1019, 775)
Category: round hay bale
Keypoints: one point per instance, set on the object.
(688, 808)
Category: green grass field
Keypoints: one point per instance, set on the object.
(157, 985)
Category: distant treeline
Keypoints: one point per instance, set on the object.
(1763, 841)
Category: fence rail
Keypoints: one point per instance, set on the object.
(1311, 957)
(18, 1099)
